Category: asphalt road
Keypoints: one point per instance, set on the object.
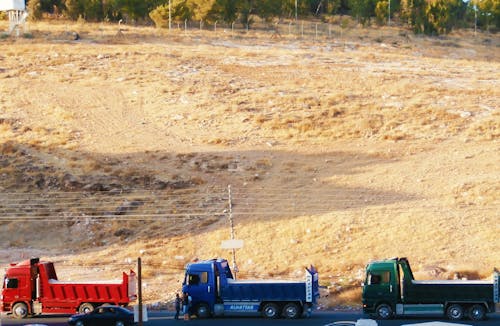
(319, 318)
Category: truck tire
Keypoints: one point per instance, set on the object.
(384, 311)
(477, 312)
(79, 323)
(120, 323)
(270, 310)
(85, 308)
(20, 310)
(455, 312)
(202, 311)
(291, 311)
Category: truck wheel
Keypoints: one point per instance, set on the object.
(79, 323)
(455, 312)
(202, 311)
(20, 310)
(384, 311)
(291, 311)
(119, 323)
(86, 308)
(477, 312)
(270, 310)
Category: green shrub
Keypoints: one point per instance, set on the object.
(160, 16)
(35, 9)
(381, 11)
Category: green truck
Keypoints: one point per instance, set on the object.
(391, 291)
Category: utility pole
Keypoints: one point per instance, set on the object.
(139, 285)
(232, 244)
(231, 224)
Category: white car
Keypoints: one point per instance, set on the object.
(359, 322)
(436, 323)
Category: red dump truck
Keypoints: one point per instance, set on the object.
(31, 287)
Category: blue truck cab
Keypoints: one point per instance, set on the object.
(215, 292)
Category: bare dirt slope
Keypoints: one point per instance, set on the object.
(337, 151)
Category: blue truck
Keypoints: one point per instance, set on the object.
(215, 292)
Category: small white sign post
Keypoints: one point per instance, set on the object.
(144, 313)
(233, 244)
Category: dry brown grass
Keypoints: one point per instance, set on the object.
(342, 298)
(371, 144)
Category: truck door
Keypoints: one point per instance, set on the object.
(201, 287)
(10, 289)
(382, 287)
(16, 288)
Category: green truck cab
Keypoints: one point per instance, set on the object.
(391, 291)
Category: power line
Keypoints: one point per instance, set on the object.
(211, 201)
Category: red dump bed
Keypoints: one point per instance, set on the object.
(33, 286)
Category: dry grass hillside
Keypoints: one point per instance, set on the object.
(338, 151)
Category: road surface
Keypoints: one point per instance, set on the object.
(319, 318)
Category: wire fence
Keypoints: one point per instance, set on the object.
(343, 31)
(303, 30)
